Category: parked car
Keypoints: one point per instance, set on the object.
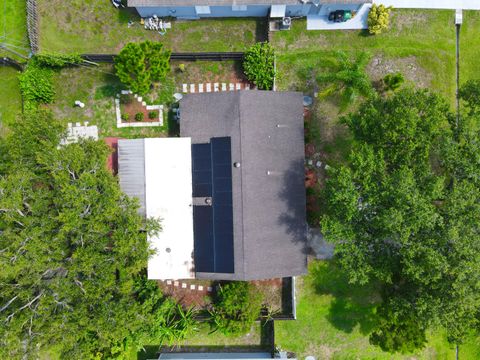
(340, 15)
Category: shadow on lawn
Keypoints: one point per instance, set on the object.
(352, 305)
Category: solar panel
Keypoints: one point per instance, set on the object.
(213, 225)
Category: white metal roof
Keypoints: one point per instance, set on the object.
(168, 196)
(278, 11)
(158, 171)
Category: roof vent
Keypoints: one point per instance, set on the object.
(168, 250)
(236, 164)
(208, 201)
(281, 126)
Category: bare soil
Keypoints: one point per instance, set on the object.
(134, 107)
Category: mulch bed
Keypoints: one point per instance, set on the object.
(272, 290)
(134, 107)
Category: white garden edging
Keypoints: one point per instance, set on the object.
(118, 113)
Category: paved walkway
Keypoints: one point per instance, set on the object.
(432, 4)
(214, 87)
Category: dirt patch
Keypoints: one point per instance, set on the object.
(380, 66)
(408, 19)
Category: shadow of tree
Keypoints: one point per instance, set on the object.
(352, 305)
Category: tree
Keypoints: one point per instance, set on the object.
(140, 64)
(470, 94)
(348, 77)
(72, 248)
(236, 307)
(404, 212)
(378, 19)
(259, 65)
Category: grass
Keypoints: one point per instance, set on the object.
(335, 318)
(91, 26)
(470, 46)
(204, 341)
(97, 88)
(13, 27)
(421, 43)
(10, 98)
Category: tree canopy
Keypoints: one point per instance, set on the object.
(72, 251)
(140, 64)
(405, 211)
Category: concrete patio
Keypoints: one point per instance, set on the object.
(321, 22)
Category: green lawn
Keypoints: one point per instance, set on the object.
(91, 26)
(470, 46)
(13, 27)
(10, 99)
(335, 318)
(421, 44)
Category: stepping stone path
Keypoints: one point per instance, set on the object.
(215, 87)
(186, 286)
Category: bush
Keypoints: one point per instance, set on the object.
(259, 65)
(57, 61)
(393, 82)
(236, 307)
(125, 117)
(126, 99)
(181, 67)
(152, 115)
(36, 85)
(378, 19)
(139, 116)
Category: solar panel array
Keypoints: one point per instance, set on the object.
(213, 225)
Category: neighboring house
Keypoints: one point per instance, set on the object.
(195, 9)
(230, 191)
(223, 356)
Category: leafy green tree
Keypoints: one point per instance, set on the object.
(348, 77)
(397, 333)
(378, 19)
(140, 64)
(259, 65)
(404, 212)
(72, 248)
(470, 94)
(236, 307)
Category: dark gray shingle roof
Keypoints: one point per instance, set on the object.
(269, 216)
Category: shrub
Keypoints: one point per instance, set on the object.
(126, 99)
(139, 116)
(152, 115)
(125, 117)
(181, 67)
(36, 85)
(57, 60)
(393, 82)
(259, 65)
(378, 19)
(236, 307)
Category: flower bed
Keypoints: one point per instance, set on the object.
(132, 111)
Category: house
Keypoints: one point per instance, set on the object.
(196, 9)
(230, 191)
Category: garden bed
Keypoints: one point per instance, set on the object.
(277, 295)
